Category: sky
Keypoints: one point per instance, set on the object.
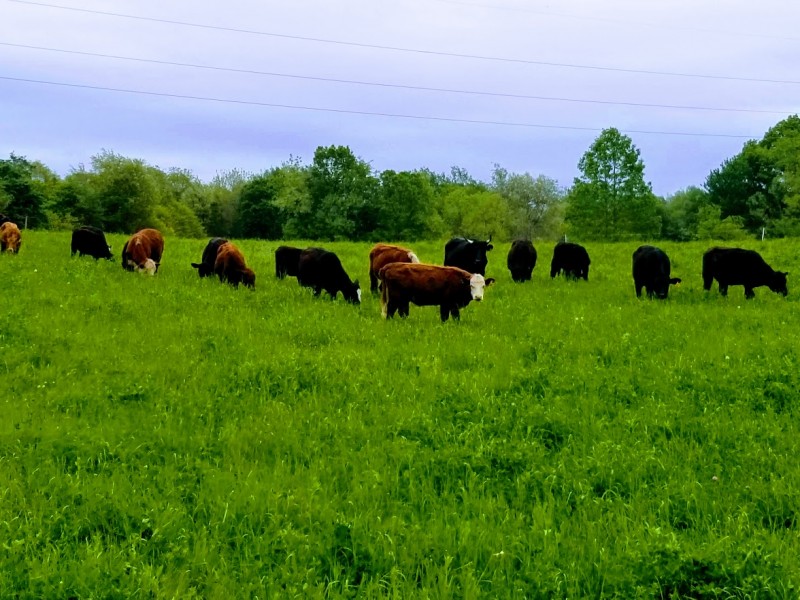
(407, 84)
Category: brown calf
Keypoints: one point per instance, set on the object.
(142, 252)
(10, 239)
(383, 254)
(230, 266)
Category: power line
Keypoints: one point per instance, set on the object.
(394, 85)
(361, 112)
(410, 50)
(618, 21)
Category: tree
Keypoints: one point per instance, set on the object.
(23, 190)
(127, 190)
(342, 190)
(259, 215)
(404, 206)
(611, 200)
(531, 202)
(682, 214)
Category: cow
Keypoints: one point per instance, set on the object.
(142, 252)
(383, 254)
(449, 288)
(467, 254)
(205, 267)
(91, 241)
(737, 266)
(651, 270)
(230, 266)
(571, 259)
(10, 238)
(286, 261)
(521, 260)
(320, 270)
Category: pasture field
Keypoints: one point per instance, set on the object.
(171, 437)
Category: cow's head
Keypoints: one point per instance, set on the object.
(778, 283)
(661, 286)
(352, 293)
(149, 266)
(477, 285)
(248, 277)
(203, 269)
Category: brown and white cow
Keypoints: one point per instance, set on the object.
(230, 266)
(383, 254)
(142, 252)
(450, 288)
(10, 239)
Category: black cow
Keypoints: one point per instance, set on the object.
(287, 259)
(571, 259)
(521, 260)
(322, 270)
(205, 267)
(467, 254)
(651, 271)
(737, 266)
(88, 240)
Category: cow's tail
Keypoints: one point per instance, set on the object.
(384, 287)
(413, 257)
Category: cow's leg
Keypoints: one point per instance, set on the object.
(391, 308)
(723, 289)
(317, 291)
(586, 274)
(638, 287)
(455, 313)
(749, 293)
(403, 309)
(444, 312)
(707, 281)
(373, 282)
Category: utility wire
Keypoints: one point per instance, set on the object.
(617, 21)
(361, 112)
(393, 85)
(409, 50)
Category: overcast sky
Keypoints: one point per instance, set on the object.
(260, 66)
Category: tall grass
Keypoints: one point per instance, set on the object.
(174, 437)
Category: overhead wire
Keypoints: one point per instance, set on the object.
(394, 85)
(362, 112)
(410, 50)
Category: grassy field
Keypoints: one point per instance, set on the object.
(171, 437)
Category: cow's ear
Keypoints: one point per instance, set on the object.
(489, 247)
(196, 266)
(786, 273)
(489, 281)
(675, 281)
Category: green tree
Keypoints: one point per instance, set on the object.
(404, 206)
(342, 190)
(531, 202)
(259, 215)
(293, 198)
(611, 200)
(682, 213)
(128, 191)
(24, 186)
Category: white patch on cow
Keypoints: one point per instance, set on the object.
(358, 293)
(149, 267)
(413, 257)
(132, 264)
(476, 285)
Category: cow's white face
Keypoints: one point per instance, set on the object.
(476, 285)
(149, 267)
(358, 293)
(413, 258)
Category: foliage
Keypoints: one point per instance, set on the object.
(532, 203)
(681, 214)
(564, 440)
(23, 190)
(611, 200)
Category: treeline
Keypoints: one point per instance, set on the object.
(338, 196)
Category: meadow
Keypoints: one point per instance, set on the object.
(172, 437)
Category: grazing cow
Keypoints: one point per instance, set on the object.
(88, 240)
(467, 254)
(651, 271)
(571, 259)
(206, 265)
(10, 238)
(521, 260)
(142, 252)
(449, 288)
(322, 270)
(230, 266)
(383, 254)
(737, 266)
(287, 259)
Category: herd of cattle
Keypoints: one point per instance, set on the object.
(402, 280)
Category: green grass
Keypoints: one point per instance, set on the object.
(172, 437)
